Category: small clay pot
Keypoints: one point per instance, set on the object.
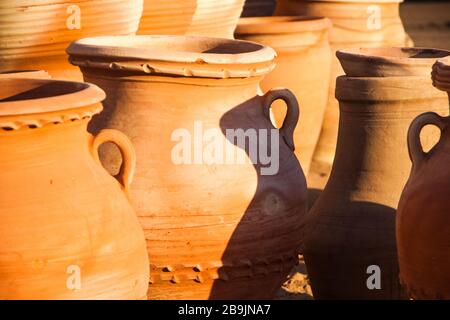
(351, 231)
(215, 228)
(35, 34)
(303, 65)
(423, 222)
(388, 62)
(258, 8)
(67, 228)
(214, 18)
(34, 74)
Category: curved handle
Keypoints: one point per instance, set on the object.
(416, 153)
(292, 114)
(126, 173)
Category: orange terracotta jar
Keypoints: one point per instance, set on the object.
(35, 33)
(303, 66)
(350, 244)
(423, 219)
(215, 18)
(356, 23)
(67, 229)
(34, 74)
(216, 228)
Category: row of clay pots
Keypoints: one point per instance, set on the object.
(303, 66)
(423, 220)
(356, 23)
(352, 224)
(67, 228)
(218, 230)
(34, 34)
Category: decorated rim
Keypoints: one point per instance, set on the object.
(19, 97)
(385, 88)
(281, 24)
(394, 55)
(177, 55)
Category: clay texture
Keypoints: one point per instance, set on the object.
(303, 66)
(214, 230)
(67, 229)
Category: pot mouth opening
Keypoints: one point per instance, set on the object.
(35, 96)
(189, 50)
(395, 54)
(281, 24)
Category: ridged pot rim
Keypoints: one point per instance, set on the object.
(179, 55)
(281, 24)
(38, 96)
(389, 61)
(385, 88)
(441, 74)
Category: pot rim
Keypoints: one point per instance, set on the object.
(281, 24)
(190, 51)
(75, 95)
(370, 55)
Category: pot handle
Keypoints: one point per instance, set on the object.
(292, 114)
(127, 169)
(416, 153)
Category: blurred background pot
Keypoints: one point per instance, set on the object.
(351, 228)
(34, 34)
(303, 66)
(215, 228)
(216, 18)
(67, 228)
(423, 220)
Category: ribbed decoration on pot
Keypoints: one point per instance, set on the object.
(34, 34)
(193, 17)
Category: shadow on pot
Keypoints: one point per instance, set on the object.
(264, 246)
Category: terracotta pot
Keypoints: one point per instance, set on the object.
(258, 8)
(423, 222)
(35, 33)
(303, 65)
(67, 229)
(356, 23)
(34, 74)
(215, 229)
(217, 18)
(351, 228)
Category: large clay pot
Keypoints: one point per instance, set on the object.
(303, 65)
(67, 229)
(423, 219)
(356, 23)
(34, 74)
(258, 8)
(216, 18)
(35, 33)
(215, 229)
(350, 239)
